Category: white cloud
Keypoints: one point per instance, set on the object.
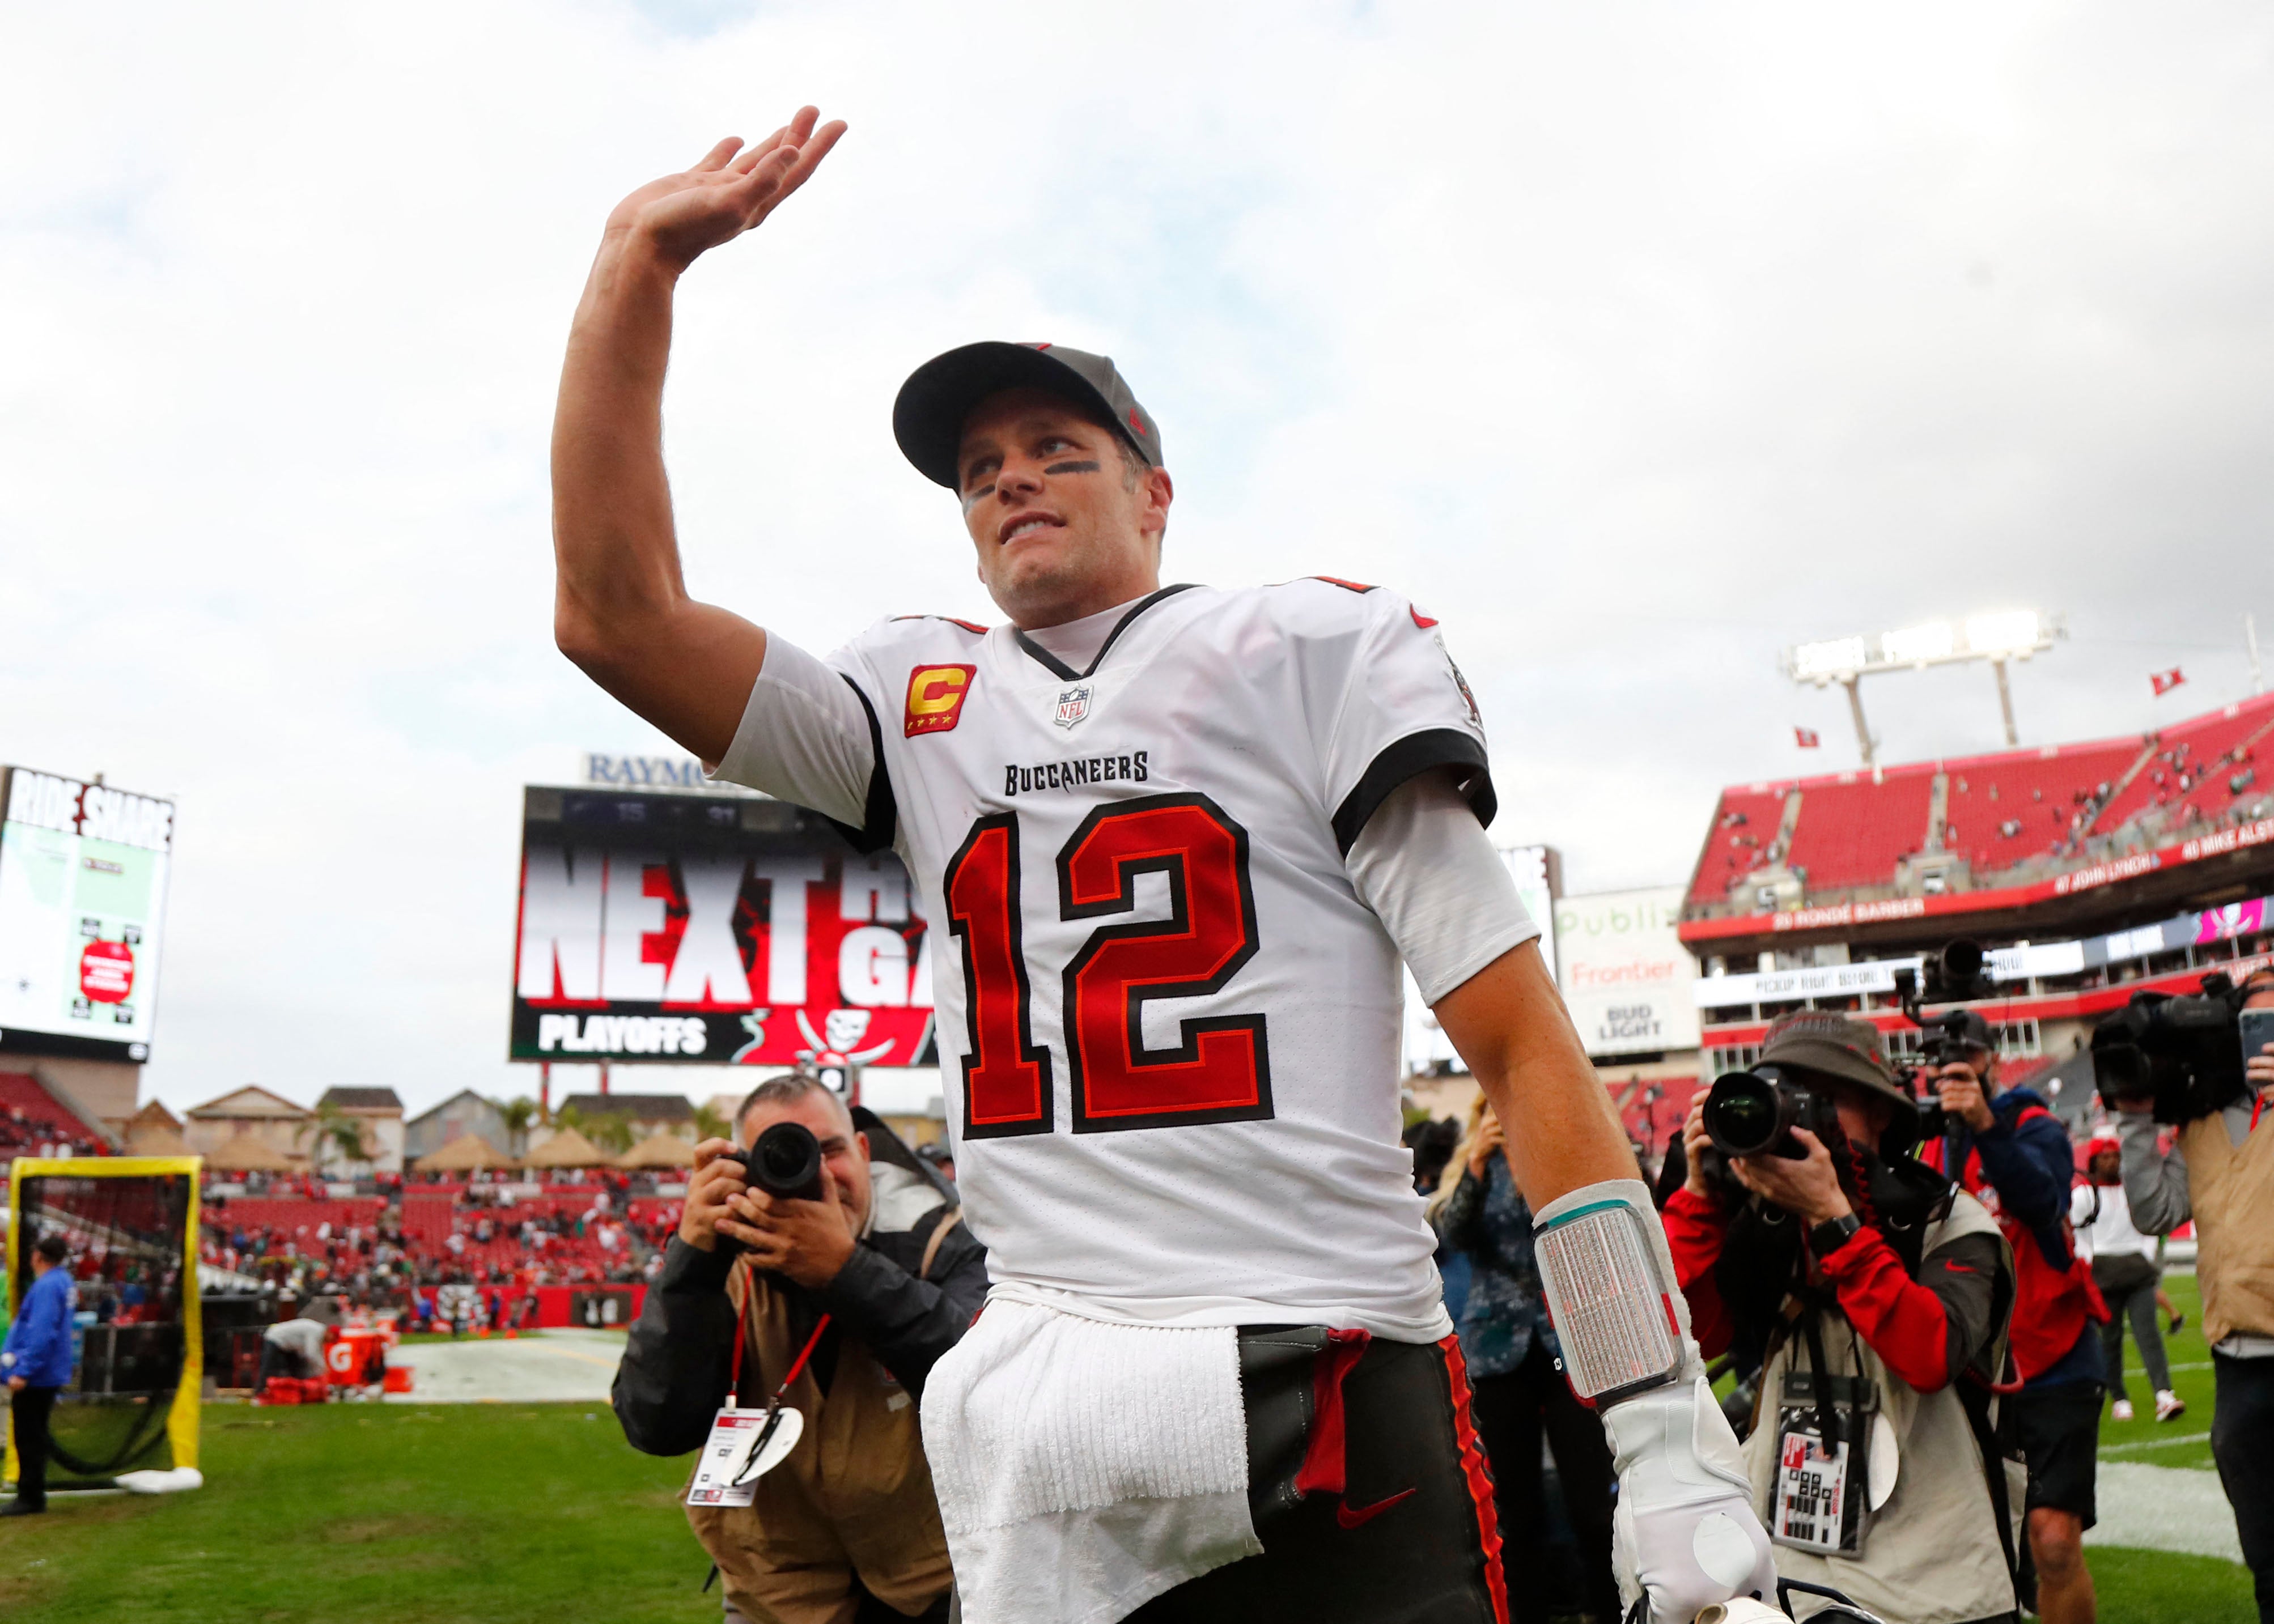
(1632, 341)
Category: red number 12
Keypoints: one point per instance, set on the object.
(1220, 1071)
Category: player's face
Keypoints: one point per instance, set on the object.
(1062, 531)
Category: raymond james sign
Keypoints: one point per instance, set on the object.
(649, 772)
(1625, 974)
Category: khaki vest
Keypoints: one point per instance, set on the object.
(854, 1497)
(2231, 1189)
(1932, 1555)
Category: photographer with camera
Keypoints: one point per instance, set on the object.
(2202, 1065)
(1884, 1292)
(2010, 1153)
(807, 1271)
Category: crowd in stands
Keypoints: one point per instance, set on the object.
(120, 1287)
(32, 1123)
(23, 1135)
(382, 1248)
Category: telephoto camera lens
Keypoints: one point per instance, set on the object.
(1753, 1114)
(786, 1162)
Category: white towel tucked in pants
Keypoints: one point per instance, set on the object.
(1084, 1468)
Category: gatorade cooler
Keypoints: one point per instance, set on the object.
(356, 1353)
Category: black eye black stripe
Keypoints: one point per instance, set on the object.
(1074, 468)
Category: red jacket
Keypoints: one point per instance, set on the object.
(2051, 1304)
(1927, 1330)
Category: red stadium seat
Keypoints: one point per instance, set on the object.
(2045, 808)
(1853, 832)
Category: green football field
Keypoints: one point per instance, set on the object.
(411, 1514)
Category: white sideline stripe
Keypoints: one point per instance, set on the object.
(2165, 1508)
(2155, 1443)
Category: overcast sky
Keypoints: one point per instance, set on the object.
(1634, 341)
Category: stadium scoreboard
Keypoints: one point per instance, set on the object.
(676, 928)
(83, 875)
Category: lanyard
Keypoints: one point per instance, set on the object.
(773, 1404)
(796, 1365)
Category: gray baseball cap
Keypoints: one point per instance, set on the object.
(928, 417)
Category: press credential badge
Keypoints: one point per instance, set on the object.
(727, 1475)
(1811, 1493)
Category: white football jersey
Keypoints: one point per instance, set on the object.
(1168, 1029)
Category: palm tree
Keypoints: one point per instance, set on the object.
(709, 1124)
(610, 1131)
(520, 1114)
(337, 1132)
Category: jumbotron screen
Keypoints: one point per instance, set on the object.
(83, 871)
(712, 930)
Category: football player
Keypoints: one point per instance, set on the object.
(1176, 840)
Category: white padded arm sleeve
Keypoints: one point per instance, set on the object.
(804, 736)
(1424, 865)
(1686, 1533)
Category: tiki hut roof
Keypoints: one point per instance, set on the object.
(663, 1150)
(247, 1152)
(566, 1149)
(468, 1152)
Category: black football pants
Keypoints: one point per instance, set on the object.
(1513, 1410)
(1369, 1489)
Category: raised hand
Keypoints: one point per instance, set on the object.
(1491, 1137)
(729, 192)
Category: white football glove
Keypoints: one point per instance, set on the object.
(1686, 1533)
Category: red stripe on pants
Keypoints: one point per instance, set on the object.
(1477, 1474)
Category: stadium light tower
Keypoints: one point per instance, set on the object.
(2010, 635)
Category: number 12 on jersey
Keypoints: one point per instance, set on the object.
(1220, 1071)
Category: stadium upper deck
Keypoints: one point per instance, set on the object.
(2101, 869)
(2020, 841)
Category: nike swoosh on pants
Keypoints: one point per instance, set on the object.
(1351, 1516)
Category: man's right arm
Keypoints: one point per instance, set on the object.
(2155, 1185)
(678, 1361)
(620, 608)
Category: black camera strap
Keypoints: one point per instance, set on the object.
(1812, 1331)
(1973, 1399)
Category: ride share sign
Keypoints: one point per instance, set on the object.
(1625, 975)
(83, 873)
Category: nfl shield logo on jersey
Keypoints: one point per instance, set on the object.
(1074, 705)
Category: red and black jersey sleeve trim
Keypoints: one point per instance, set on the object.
(1410, 757)
(880, 816)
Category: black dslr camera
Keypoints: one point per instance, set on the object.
(786, 1162)
(1753, 1114)
(2183, 1054)
(1953, 976)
